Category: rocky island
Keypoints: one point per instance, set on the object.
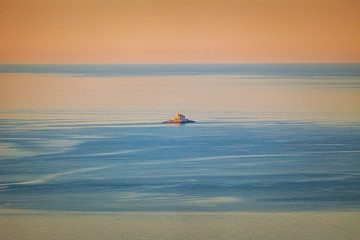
(179, 119)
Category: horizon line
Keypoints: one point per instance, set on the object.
(172, 63)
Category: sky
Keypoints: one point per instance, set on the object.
(179, 31)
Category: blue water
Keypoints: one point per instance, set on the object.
(125, 70)
(231, 160)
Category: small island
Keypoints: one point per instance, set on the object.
(179, 119)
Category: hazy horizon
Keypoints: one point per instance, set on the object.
(272, 85)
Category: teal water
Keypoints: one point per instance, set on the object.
(297, 153)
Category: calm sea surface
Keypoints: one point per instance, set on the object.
(267, 137)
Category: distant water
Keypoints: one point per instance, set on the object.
(267, 137)
(126, 70)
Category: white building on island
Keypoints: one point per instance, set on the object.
(178, 117)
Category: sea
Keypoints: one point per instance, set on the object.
(266, 138)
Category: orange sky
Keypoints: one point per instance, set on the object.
(174, 31)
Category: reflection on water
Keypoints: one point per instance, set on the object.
(219, 164)
(317, 88)
(276, 142)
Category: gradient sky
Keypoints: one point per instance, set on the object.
(179, 31)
